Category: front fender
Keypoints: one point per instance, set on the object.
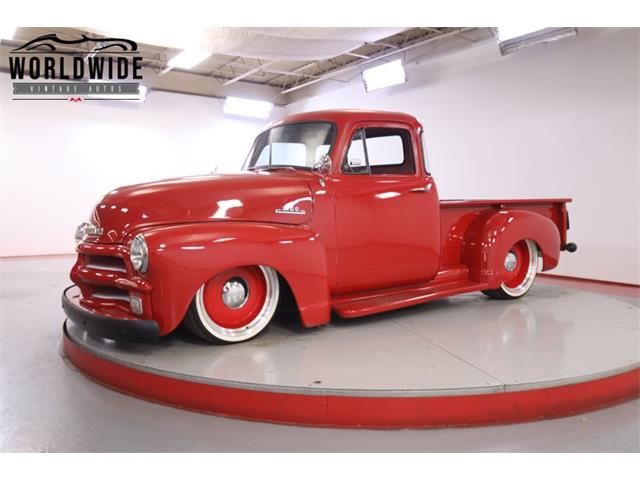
(183, 257)
(492, 234)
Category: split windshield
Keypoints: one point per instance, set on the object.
(297, 145)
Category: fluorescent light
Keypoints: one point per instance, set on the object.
(7, 33)
(512, 39)
(247, 108)
(143, 91)
(507, 33)
(391, 73)
(189, 58)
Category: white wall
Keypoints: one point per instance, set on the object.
(560, 120)
(59, 158)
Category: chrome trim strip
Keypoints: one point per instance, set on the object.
(111, 268)
(111, 296)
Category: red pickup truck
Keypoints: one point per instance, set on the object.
(334, 210)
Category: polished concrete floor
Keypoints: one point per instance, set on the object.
(47, 405)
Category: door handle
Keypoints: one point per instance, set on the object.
(424, 189)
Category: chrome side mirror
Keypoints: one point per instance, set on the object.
(323, 165)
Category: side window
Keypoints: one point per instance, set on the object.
(389, 151)
(385, 150)
(356, 160)
(379, 151)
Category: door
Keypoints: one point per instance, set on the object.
(387, 212)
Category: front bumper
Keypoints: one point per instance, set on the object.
(133, 329)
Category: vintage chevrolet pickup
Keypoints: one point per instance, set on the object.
(333, 211)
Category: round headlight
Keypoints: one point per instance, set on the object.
(138, 253)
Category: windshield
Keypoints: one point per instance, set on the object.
(297, 145)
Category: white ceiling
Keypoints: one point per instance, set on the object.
(291, 43)
(271, 43)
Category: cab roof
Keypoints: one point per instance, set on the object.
(340, 117)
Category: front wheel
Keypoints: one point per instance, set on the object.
(234, 305)
(519, 270)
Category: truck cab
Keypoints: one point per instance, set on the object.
(375, 181)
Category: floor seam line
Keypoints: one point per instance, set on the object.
(502, 382)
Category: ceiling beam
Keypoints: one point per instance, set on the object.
(284, 72)
(248, 73)
(351, 54)
(355, 64)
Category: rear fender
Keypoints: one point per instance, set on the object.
(183, 257)
(492, 234)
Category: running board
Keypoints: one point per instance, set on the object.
(359, 304)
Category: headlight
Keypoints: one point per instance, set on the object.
(138, 253)
(86, 229)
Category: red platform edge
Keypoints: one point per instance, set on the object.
(359, 412)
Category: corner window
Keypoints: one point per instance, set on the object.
(380, 151)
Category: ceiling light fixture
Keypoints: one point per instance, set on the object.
(143, 91)
(385, 75)
(7, 33)
(189, 58)
(247, 108)
(512, 39)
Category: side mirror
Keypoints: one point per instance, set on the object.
(354, 162)
(323, 165)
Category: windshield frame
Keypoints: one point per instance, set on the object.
(245, 166)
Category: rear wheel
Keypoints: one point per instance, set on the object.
(519, 269)
(234, 305)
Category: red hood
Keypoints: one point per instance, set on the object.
(278, 197)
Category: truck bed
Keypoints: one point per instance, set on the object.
(453, 277)
(456, 216)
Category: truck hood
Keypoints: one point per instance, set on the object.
(276, 197)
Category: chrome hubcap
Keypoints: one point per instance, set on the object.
(530, 273)
(510, 262)
(234, 293)
(261, 319)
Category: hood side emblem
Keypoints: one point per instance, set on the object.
(291, 210)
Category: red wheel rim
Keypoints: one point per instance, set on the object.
(514, 278)
(232, 318)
